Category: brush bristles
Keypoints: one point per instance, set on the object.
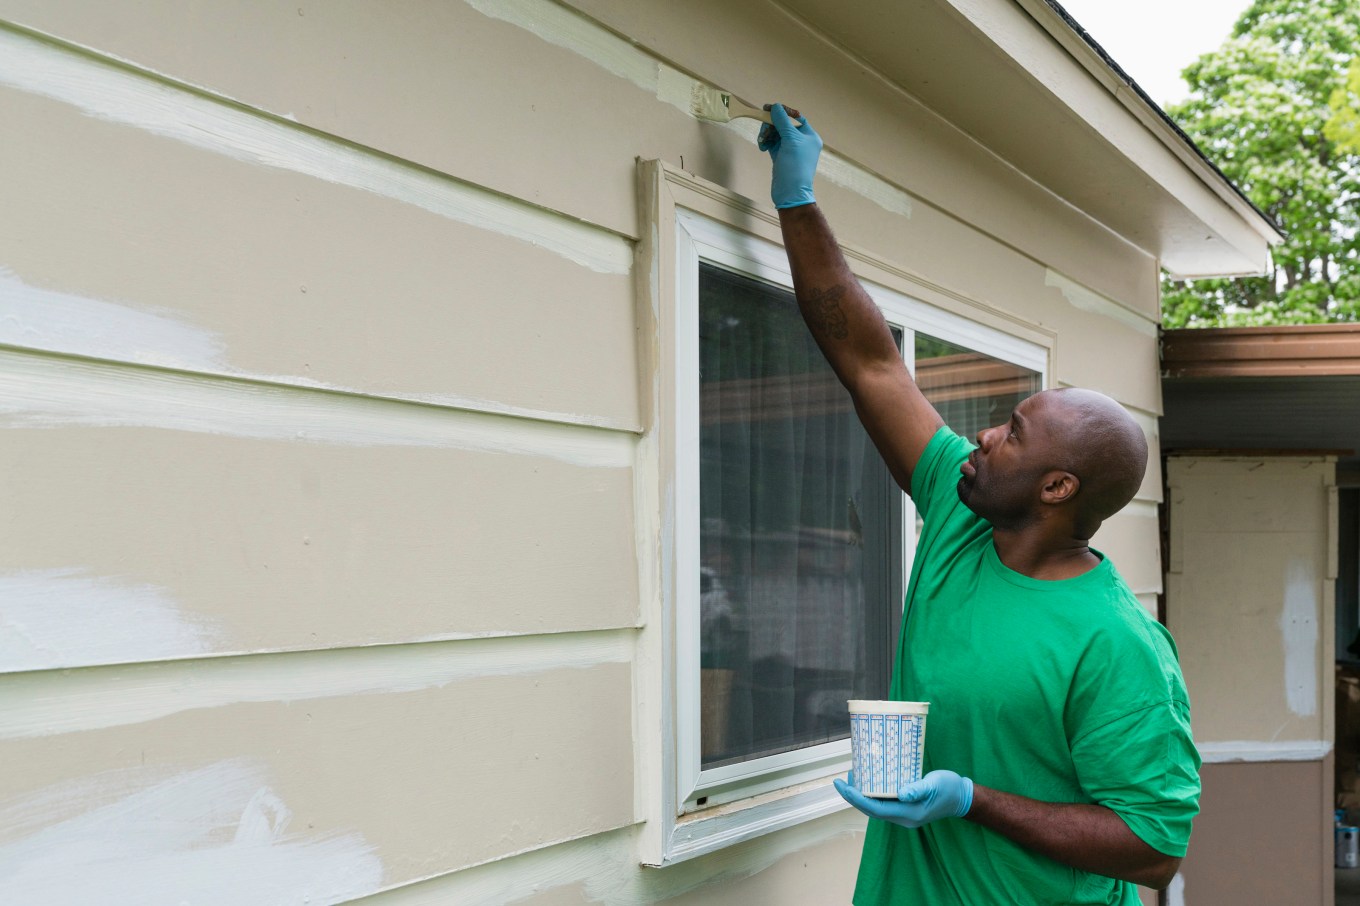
(709, 104)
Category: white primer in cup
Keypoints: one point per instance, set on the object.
(887, 740)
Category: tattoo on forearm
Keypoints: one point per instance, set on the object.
(824, 311)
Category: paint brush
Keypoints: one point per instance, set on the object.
(718, 106)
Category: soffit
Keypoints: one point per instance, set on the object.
(1058, 113)
(1262, 413)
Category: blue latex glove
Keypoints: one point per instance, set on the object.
(794, 147)
(939, 794)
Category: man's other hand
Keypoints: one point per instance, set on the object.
(939, 794)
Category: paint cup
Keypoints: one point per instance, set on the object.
(887, 740)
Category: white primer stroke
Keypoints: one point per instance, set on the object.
(1230, 752)
(571, 31)
(606, 868)
(118, 95)
(1089, 300)
(52, 618)
(49, 703)
(41, 392)
(855, 178)
(215, 836)
(35, 317)
(1299, 634)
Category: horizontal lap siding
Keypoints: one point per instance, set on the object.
(185, 543)
(375, 522)
(127, 245)
(258, 798)
(439, 84)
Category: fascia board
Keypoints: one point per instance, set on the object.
(987, 16)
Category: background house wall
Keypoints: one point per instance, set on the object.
(1251, 600)
(328, 567)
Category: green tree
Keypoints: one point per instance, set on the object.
(1264, 107)
(1343, 127)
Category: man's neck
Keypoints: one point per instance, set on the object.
(1034, 554)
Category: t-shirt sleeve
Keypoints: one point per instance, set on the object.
(935, 480)
(1144, 766)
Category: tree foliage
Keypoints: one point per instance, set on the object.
(1275, 107)
(1343, 127)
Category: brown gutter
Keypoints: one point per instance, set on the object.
(1303, 350)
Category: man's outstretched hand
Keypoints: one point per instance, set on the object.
(939, 794)
(794, 147)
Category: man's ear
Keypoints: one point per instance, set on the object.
(1059, 487)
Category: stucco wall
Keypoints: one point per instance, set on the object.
(323, 411)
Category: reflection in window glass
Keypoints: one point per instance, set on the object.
(800, 534)
(971, 391)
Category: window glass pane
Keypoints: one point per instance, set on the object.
(971, 391)
(800, 533)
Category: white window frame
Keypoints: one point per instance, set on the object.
(695, 221)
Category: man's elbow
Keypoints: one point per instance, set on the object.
(1158, 875)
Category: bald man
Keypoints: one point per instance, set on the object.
(1060, 767)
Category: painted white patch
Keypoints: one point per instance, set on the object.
(675, 88)
(37, 392)
(61, 322)
(565, 28)
(1263, 751)
(1299, 633)
(851, 176)
(1089, 300)
(64, 618)
(44, 704)
(216, 836)
(120, 96)
(1175, 891)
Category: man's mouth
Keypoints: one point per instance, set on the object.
(969, 467)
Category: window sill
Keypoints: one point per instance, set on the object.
(723, 826)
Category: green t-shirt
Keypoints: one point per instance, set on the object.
(1063, 691)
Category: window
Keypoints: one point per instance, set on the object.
(800, 539)
(790, 545)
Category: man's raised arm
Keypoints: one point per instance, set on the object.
(845, 322)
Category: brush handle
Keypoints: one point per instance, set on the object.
(739, 107)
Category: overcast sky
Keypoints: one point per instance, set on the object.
(1153, 40)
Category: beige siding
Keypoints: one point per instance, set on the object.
(282, 275)
(228, 544)
(496, 765)
(359, 282)
(1248, 592)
